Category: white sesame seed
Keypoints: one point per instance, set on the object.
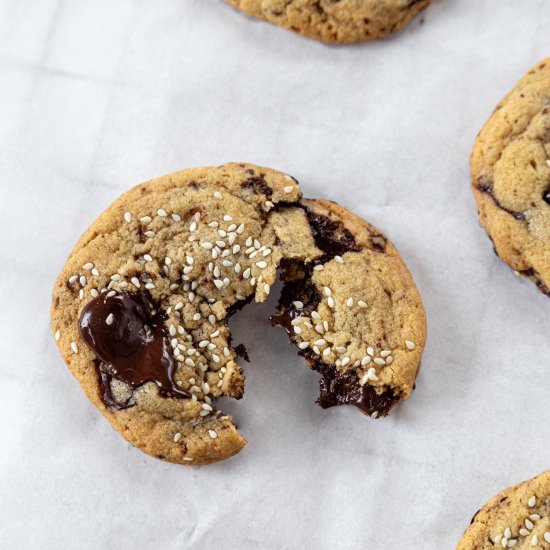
(339, 259)
(149, 233)
(318, 267)
(172, 330)
(218, 283)
(115, 277)
(330, 301)
(385, 353)
(147, 258)
(532, 501)
(176, 217)
(410, 346)
(269, 204)
(206, 387)
(240, 229)
(366, 360)
(534, 540)
(362, 304)
(524, 532)
(288, 189)
(529, 524)
(345, 361)
(252, 281)
(161, 212)
(316, 350)
(135, 281)
(74, 347)
(95, 272)
(262, 264)
(149, 286)
(81, 293)
(83, 280)
(217, 195)
(189, 362)
(298, 304)
(73, 279)
(326, 352)
(110, 319)
(327, 290)
(379, 361)
(88, 266)
(207, 246)
(340, 349)
(319, 329)
(303, 345)
(177, 437)
(507, 533)
(374, 415)
(547, 536)
(266, 288)
(534, 517)
(315, 315)
(212, 434)
(111, 294)
(370, 351)
(246, 273)
(128, 216)
(325, 325)
(146, 219)
(212, 319)
(349, 302)
(57, 335)
(196, 317)
(389, 360)
(297, 329)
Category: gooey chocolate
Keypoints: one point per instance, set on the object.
(128, 335)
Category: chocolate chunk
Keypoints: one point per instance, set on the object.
(128, 335)
(485, 185)
(330, 236)
(546, 196)
(258, 185)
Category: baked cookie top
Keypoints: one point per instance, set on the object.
(519, 518)
(140, 309)
(511, 176)
(339, 21)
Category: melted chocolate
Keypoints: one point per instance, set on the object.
(258, 185)
(330, 235)
(133, 349)
(485, 185)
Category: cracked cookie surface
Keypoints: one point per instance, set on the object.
(338, 21)
(140, 309)
(518, 517)
(510, 168)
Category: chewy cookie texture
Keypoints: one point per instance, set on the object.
(510, 168)
(338, 21)
(140, 309)
(519, 518)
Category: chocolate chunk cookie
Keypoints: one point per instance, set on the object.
(519, 518)
(140, 309)
(340, 21)
(511, 177)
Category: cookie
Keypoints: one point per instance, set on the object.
(140, 309)
(339, 21)
(354, 312)
(519, 518)
(510, 170)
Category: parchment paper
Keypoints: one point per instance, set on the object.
(99, 95)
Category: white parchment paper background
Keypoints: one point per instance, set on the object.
(99, 95)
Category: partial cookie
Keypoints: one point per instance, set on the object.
(511, 177)
(519, 518)
(140, 310)
(340, 21)
(354, 313)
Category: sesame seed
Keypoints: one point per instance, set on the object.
(389, 360)
(339, 259)
(266, 288)
(507, 533)
(110, 319)
(95, 272)
(115, 277)
(529, 524)
(111, 294)
(303, 345)
(212, 434)
(88, 266)
(326, 352)
(360, 303)
(83, 280)
(227, 218)
(327, 290)
(262, 264)
(534, 540)
(316, 350)
(177, 437)
(176, 217)
(340, 349)
(73, 279)
(374, 415)
(297, 329)
(547, 536)
(269, 204)
(206, 387)
(315, 315)
(135, 281)
(189, 362)
(149, 286)
(319, 329)
(318, 267)
(196, 317)
(74, 347)
(240, 229)
(161, 212)
(325, 325)
(57, 335)
(524, 532)
(217, 195)
(128, 216)
(298, 304)
(532, 501)
(534, 517)
(146, 219)
(147, 258)
(410, 346)
(288, 189)
(370, 351)
(252, 281)
(385, 353)
(81, 294)
(379, 361)
(330, 301)
(212, 319)
(345, 361)
(149, 233)
(349, 302)
(366, 360)
(296, 321)
(207, 246)
(172, 330)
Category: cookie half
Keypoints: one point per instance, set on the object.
(338, 21)
(510, 168)
(140, 309)
(519, 518)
